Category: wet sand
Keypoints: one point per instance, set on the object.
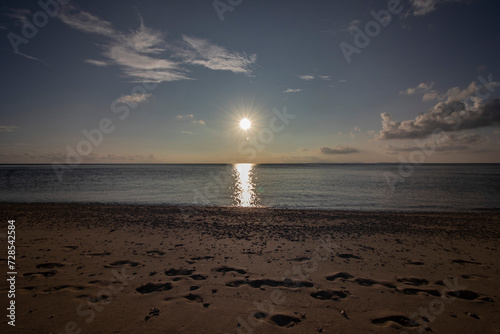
(89, 268)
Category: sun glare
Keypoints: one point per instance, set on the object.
(245, 124)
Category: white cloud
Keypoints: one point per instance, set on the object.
(448, 116)
(453, 94)
(424, 7)
(190, 118)
(96, 62)
(339, 149)
(291, 90)
(134, 98)
(306, 77)
(324, 77)
(185, 117)
(201, 52)
(86, 22)
(421, 88)
(144, 55)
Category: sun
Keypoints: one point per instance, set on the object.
(245, 124)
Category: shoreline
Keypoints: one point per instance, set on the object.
(141, 268)
(258, 207)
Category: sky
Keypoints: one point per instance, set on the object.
(360, 81)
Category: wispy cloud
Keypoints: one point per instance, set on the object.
(291, 90)
(134, 98)
(424, 7)
(201, 52)
(50, 156)
(185, 117)
(339, 149)
(20, 15)
(144, 54)
(96, 62)
(421, 88)
(452, 94)
(190, 118)
(353, 25)
(306, 77)
(8, 128)
(445, 142)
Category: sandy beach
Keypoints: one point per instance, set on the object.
(95, 268)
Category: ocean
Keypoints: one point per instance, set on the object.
(362, 187)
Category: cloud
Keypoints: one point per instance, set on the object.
(96, 62)
(453, 94)
(37, 156)
(424, 7)
(8, 128)
(201, 52)
(421, 88)
(339, 149)
(447, 116)
(442, 142)
(19, 14)
(190, 118)
(185, 117)
(324, 77)
(135, 98)
(144, 54)
(306, 77)
(290, 90)
(353, 25)
(87, 22)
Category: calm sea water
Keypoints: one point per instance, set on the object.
(343, 187)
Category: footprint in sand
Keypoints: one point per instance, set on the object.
(49, 273)
(459, 261)
(155, 252)
(98, 254)
(269, 282)
(178, 272)
(122, 263)
(225, 269)
(349, 256)
(300, 259)
(281, 320)
(63, 287)
(49, 265)
(340, 275)
(328, 295)
(398, 319)
(413, 281)
(370, 282)
(69, 248)
(463, 294)
(412, 291)
(153, 287)
(194, 298)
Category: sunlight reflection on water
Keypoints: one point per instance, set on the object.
(244, 190)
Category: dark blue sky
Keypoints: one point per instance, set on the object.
(169, 81)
